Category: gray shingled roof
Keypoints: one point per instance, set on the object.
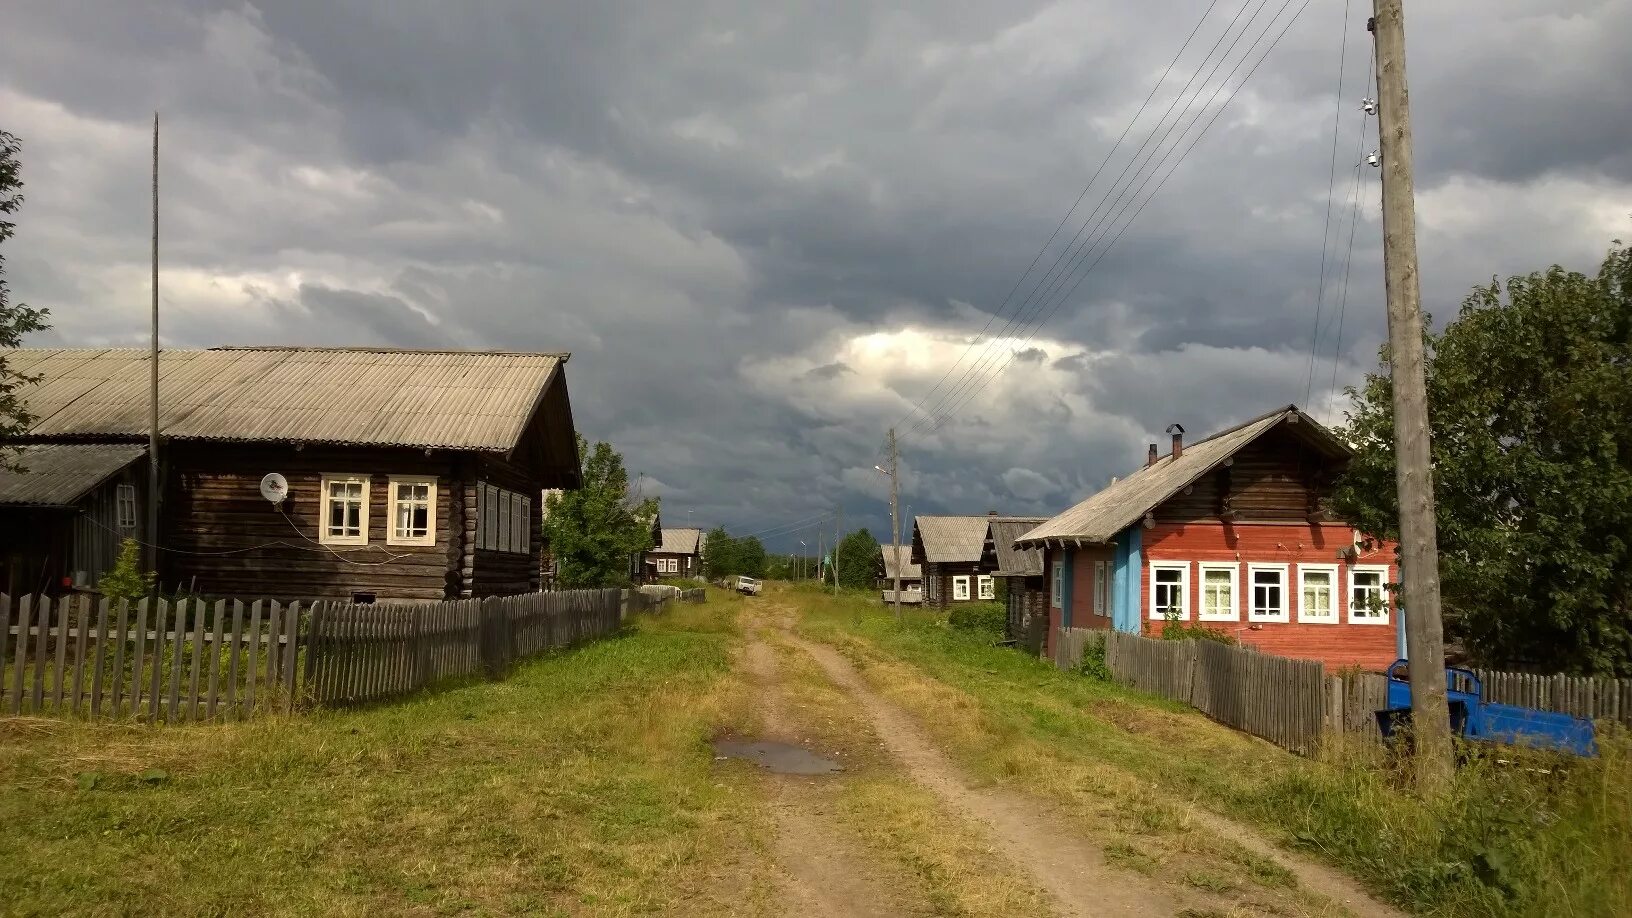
(443, 399)
(1012, 561)
(1098, 519)
(680, 541)
(909, 571)
(59, 474)
(951, 539)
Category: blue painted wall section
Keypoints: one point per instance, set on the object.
(1126, 566)
(1069, 558)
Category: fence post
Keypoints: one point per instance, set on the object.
(494, 638)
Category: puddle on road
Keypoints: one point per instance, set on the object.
(782, 758)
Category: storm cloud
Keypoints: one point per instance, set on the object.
(766, 232)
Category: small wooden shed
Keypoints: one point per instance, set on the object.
(65, 508)
(1021, 571)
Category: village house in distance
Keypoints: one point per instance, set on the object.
(675, 553)
(1230, 533)
(412, 475)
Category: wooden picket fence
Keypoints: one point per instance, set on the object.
(173, 661)
(1294, 703)
(192, 660)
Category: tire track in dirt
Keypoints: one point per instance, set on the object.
(1072, 871)
(821, 874)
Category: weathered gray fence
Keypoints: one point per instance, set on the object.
(173, 661)
(191, 660)
(1293, 703)
(694, 595)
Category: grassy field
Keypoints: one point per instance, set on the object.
(1533, 836)
(583, 783)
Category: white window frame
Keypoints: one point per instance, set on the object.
(124, 497)
(960, 588)
(986, 587)
(1102, 588)
(1285, 615)
(1183, 567)
(1334, 585)
(392, 535)
(324, 537)
(1234, 570)
(1381, 570)
(487, 517)
(1057, 599)
(524, 524)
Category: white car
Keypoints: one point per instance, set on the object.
(748, 586)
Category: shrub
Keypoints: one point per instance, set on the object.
(979, 616)
(1093, 659)
(127, 580)
(1176, 630)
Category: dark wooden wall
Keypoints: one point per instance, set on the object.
(213, 505)
(942, 574)
(1277, 479)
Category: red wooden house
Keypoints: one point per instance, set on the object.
(1230, 533)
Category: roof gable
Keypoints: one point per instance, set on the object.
(1002, 532)
(464, 400)
(909, 570)
(948, 539)
(679, 541)
(1099, 518)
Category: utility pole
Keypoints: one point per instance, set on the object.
(153, 375)
(895, 521)
(838, 536)
(1419, 549)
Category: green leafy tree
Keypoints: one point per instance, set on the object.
(720, 554)
(1529, 395)
(16, 319)
(751, 557)
(859, 560)
(127, 580)
(593, 531)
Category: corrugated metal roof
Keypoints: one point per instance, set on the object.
(950, 539)
(444, 399)
(59, 474)
(1099, 518)
(909, 571)
(1012, 561)
(680, 541)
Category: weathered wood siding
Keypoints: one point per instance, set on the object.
(214, 505)
(1279, 478)
(938, 582)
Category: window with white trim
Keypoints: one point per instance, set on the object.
(1102, 588)
(960, 587)
(1368, 594)
(413, 511)
(1169, 590)
(987, 586)
(1267, 596)
(1218, 593)
(125, 502)
(1317, 593)
(344, 512)
(1058, 595)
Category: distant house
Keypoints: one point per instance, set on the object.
(678, 553)
(1229, 533)
(639, 571)
(412, 475)
(912, 575)
(65, 511)
(1021, 571)
(952, 552)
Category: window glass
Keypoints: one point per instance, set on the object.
(1102, 588)
(345, 499)
(1317, 595)
(1167, 592)
(1218, 592)
(1368, 601)
(1268, 593)
(960, 587)
(1059, 583)
(988, 589)
(411, 510)
(126, 499)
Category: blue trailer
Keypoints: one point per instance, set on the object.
(1475, 719)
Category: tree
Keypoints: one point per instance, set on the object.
(592, 531)
(16, 319)
(126, 580)
(726, 556)
(859, 559)
(1529, 396)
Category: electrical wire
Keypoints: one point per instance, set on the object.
(1058, 302)
(1052, 236)
(1331, 185)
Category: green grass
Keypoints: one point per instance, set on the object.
(582, 783)
(1504, 839)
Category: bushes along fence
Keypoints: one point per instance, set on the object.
(192, 660)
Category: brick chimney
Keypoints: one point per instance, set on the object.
(1178, 439)
(991, 513)
(1152, 456)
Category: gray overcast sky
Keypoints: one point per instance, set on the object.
(765, 231)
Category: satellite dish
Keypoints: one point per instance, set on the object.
(274, 487)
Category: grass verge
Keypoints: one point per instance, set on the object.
(581, 783)
(1528, 834)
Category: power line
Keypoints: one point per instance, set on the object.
(1331, 184)
(1348, 258)
(1059, 301)
(1085, 188)
(1019, 321)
